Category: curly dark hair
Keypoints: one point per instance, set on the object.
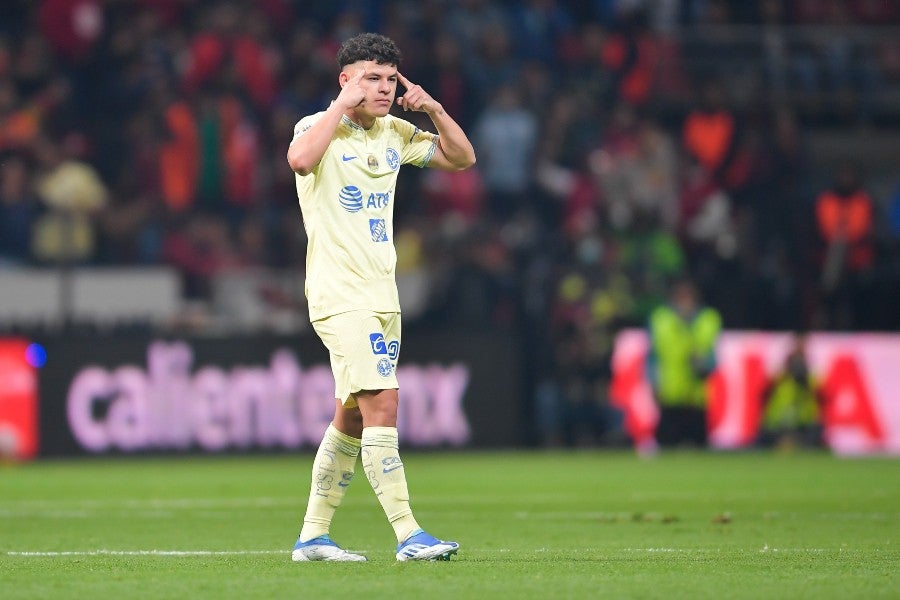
(369, 46)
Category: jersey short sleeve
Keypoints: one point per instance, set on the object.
(303, 125)
(418, 145)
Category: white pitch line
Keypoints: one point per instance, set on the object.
(721, 550)
(170, 503)
(144, 553)
(66, 553)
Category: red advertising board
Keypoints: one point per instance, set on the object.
(18, 399)
(859, 375)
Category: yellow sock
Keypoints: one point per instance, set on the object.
(384, 469)
(332, 472)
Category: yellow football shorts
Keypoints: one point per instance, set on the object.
(363, 347)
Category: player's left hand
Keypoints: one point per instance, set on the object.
(416, 98)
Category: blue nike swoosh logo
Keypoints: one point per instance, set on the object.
(345, 158)
(392, 469)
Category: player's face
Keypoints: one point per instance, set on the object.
(380, 85)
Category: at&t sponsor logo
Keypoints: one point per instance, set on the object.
(352, 199)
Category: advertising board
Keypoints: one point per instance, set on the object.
(125, 395)
(858, 377)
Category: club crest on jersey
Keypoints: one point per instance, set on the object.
(378, 230)
(351, 198)
(393, 159)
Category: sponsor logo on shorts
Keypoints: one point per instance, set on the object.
(379, 346)
(382, 346)
(385, 368)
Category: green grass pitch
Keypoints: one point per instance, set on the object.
(530, 524)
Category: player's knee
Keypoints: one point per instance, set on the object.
(378, 408)
(349, 421)
(355, 420)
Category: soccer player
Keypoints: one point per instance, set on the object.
(346, 159)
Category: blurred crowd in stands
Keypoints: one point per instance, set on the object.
(622, 144)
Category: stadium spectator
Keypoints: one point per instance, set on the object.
(505, 136)
(74, 193)
(630, 53)
(706, 218)
(544, 29)
(569, 132)
(493, 63)
(468, 20)
(647, 256)
(200, 247)
(591, 299)
(792, 403)
(448, 77)
(780, 179)
(24, 116)
(179, 157)
(230, 48)
(894, 214)
(74, 27)
(228, 165)
(775, 48)
(454, 198)
(19, 208)
(478, 286)
(131, 225)
(683, 336)
(845, 215)
(636, 169)
(778, 225)
(712, 135)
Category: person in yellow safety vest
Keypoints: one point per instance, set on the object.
(791, 415)
(683, 336)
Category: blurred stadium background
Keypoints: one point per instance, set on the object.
(151, 249)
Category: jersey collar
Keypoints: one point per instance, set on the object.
(349, 123)
(357, 128)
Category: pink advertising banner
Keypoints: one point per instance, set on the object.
(858, 375)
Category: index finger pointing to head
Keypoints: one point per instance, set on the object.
(406, 82)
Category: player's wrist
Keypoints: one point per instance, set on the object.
(435, 110)
(337, 106)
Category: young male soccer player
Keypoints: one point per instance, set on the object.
(346, 160)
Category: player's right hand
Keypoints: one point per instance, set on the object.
(352, 94)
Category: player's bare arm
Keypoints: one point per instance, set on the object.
(454, 151)
(306, 152)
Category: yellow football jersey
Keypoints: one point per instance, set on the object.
(347, 202)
